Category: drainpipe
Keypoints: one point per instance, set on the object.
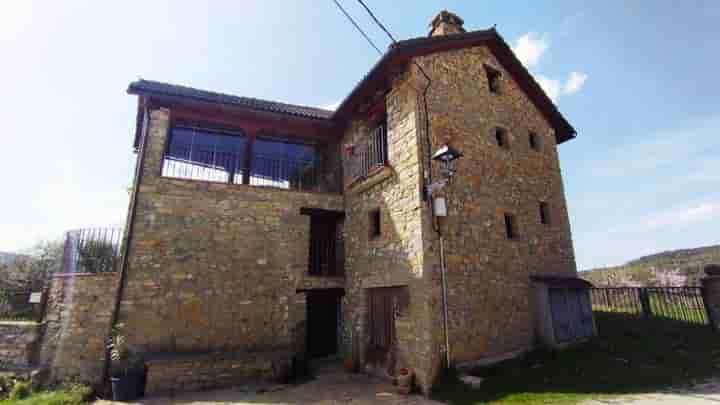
(443, 272)
(130, 224)
(433, 218)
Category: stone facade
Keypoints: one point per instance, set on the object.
(18, 342)
(77, 323)
(215, 267)
(221, 269)
(395, 257)
(489, 288)
(195, 372)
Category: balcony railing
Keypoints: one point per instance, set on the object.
(228, 168)
(369, 155)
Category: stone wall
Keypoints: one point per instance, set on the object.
(490, 309)
(711, 295)
(215, 267)
(77, 322)
(18, 342)
(395, 258)
(195, 372)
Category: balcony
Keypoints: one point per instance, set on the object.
(233, 158)
(369, 155)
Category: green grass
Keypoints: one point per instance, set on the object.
(73, 396)
(630, 355)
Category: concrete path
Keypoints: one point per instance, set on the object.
(702, 394)
(331, 386)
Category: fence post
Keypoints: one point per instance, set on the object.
(645, 302)
(711, 294)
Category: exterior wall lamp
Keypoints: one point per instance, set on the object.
(445, 155)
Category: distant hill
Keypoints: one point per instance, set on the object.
(689, 262)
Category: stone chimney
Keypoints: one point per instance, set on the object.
(446, 23)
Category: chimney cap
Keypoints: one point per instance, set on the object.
(446, 22)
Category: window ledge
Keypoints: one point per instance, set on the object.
(376, 176)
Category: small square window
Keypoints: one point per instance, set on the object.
(493, 78)
(544, 213)
(375, 224)
(501, 138)
(510, 226)
(534, 140)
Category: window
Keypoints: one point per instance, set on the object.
(510, 226)
(534, 140)
(371, 153)
(544, 213)
(282, 164)
(493, 78)
(326, 257)
(204, 155)
(214, 155)
(375, 224)
(501, 138)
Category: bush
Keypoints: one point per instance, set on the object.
(20, 390)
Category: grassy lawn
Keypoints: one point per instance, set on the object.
(630, 355)
(72, 396)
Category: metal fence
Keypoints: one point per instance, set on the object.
(291, 174)
(92, 250)
(369, 155)
(679, 303)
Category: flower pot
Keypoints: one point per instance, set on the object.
(124, 388)
(128, 386)
(404, 381)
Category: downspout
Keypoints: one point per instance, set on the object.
(433, 218)
(130, 225)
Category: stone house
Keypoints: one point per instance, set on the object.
(258, 230)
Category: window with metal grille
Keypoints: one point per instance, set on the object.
(370, 153)
(326, 256)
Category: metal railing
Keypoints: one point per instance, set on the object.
(291, 174)
(679, 303)
(92, 250)
(370, 155)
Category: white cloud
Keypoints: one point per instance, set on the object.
(551, 87)
(575, 82)
(684, 216)
(530, 48)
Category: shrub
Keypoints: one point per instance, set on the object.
(20, 390)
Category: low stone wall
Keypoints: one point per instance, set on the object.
(169, 373)
(18, 342)
(77, 321)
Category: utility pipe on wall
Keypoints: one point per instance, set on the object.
(443, 273)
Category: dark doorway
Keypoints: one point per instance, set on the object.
(323, 312)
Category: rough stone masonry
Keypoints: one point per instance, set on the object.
(223, 268)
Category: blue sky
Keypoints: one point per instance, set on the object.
(636, 79)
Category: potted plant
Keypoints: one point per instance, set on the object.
(127, 370)
(404, 381)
